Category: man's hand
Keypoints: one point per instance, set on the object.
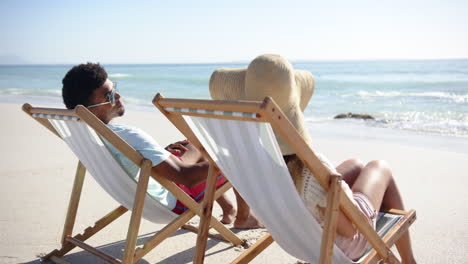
(178, 148)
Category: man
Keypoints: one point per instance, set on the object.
(88, 85)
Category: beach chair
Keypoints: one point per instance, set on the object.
(238, 138)
(87, 137)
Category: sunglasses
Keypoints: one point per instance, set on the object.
(110, 97)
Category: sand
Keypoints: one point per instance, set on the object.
(37, 171)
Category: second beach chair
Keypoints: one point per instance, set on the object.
(238, 139)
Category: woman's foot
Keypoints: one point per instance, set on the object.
(251, 222)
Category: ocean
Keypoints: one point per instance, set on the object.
(421, 96)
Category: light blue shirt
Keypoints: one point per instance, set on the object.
(148, 148)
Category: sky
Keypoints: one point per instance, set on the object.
(163, 31)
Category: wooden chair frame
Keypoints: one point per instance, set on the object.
(268, 111)
(131, 253)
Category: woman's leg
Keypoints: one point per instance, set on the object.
(350, 170)
(245, 218)
(377, 183)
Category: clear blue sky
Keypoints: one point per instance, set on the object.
(54, 31)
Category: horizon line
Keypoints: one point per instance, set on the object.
(236, 61)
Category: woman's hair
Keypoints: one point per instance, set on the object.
(295, 167)
(80, 82)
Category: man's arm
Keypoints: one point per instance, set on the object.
(186, 150)
(180, 172)
(187, 172)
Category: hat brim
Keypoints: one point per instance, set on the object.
(229, 84)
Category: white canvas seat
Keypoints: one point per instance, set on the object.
(264, 182)
(92, 152)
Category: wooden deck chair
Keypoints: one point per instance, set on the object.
(238, 138)
(85, 135)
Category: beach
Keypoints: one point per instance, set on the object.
(38, 170)
(389, 82)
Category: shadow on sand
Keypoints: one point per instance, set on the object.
(116, 249)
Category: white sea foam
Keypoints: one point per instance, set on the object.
(12, 91)
(132, 100)
(447, 123)
(119, 75)
(442, 123)
(395, 78)
(457, 98)
(317, 119)
(18, 91)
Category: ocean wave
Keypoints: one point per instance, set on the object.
(316, 119)
(446, 123)
(457, 98)
(34, 92)
(180, 79)
(443, 123)
(133, 100)
(119, 75)
(164, 79)
(427, 78)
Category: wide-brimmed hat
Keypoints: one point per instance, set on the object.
(268, 75)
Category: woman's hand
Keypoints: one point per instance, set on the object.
(178, 148)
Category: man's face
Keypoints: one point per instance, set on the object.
(106, 112)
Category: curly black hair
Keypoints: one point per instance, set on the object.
(80, 82)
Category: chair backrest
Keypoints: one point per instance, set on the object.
(248, 154)
(94, 155)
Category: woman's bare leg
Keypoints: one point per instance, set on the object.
(377, 183)
(245, 218)
(350, 170)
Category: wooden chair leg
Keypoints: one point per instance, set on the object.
(195, 230)
(205, 218)
(164, 233)
(59, 260)
(74, 201)
(179, 223)
(98, 253)
(88, 232)
(254, 250)
(225, 232)
(197, 208)
(395, 233)
(218, 226)
(137, 212)
(331, 220)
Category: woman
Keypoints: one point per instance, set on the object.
(371, 186)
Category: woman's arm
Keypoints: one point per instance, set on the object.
(345, 227)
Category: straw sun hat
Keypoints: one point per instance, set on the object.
(268, 75)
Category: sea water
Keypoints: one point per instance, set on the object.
(425, 96)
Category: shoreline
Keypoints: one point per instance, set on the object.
(352, 130)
